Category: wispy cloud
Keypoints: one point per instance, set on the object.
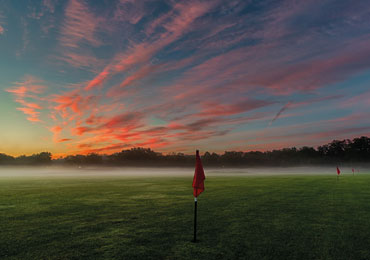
(131, 11)
(79, 26)
(285, 107)
(28, 89)
(141, 53)
(39, 11)
(2, 23)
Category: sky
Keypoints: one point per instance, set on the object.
(80, 76)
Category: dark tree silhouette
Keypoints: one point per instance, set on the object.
(6, 159)
(357, 150)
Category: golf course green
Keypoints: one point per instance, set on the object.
(250, 217)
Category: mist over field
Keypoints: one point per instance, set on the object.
(117, 213)
(54, 171)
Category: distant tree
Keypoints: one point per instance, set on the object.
(93, 158)
(235, 158)
(211, 159)
(360, 148)
(23, 159)
(323, 150)
(254, 158)
(144, 155)
(6, 159)
(355, 150)
(41, 158)
(75, 159)
(306, 151)
(338, 149)
(307, 154)
(34, 159)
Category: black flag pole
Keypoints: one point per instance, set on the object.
(195, 219)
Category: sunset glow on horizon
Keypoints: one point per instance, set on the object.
(174, 76)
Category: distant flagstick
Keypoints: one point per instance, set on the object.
(198, 188)
(338, 172)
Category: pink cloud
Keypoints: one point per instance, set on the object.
(363, 100)
(130, 11)
(56, 130)
(138, 75)
(64, 140)
(32, 113)
(316, 73)
(80, 25)
(30, 88)
(143, 52)
(73, 103)
(128, 119)
(84, 145)
(29, 85)
(81, 130)
(241, 70)
(153, 143)
(93, 119)
(79, 60)
(98, 80)
(109, 148)
(142, 73)
(217, 109)
(49, 5)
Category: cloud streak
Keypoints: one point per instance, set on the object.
(285, 107)
(30, 88)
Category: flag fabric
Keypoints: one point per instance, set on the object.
(198, 180)
(338, 171)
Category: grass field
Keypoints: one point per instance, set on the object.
(281, 217)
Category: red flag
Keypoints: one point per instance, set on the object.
(198, 180)
(338, 171)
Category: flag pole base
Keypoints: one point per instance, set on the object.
(195, 220)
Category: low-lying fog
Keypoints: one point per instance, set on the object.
(169, 172)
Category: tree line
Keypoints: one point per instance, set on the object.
(335, 152)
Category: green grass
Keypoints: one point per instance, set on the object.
(284, 217)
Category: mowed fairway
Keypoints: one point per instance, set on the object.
(280, 217)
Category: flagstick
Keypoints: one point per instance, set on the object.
(198, 186)
(195, 220)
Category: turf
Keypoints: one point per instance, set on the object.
(283, 217)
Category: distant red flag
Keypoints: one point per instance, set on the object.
(338, 171)
(198, 180)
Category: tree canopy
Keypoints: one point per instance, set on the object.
(337, 151)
